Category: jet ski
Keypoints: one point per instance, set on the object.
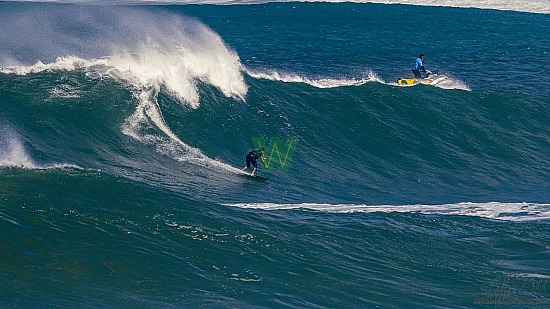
(431, 78)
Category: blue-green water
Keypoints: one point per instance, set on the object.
(122, 129)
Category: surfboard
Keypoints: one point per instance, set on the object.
(255, 177)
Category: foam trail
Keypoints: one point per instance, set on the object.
(369, 76)
(492, 210)
(446, 82)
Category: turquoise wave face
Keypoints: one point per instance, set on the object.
(120, 180)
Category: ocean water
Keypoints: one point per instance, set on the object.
(123, 129)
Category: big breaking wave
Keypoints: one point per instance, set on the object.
(172, 54)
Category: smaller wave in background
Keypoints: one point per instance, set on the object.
(528, 6)
(492, 210)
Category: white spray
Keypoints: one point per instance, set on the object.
(150, 51)
(12, 152)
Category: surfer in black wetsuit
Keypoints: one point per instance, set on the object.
(251, 157)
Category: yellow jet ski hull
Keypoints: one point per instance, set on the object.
(413, 81)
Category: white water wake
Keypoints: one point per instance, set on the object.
(325, 82)
(492, 210)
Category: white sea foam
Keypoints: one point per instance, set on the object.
(177, 70)
(67, 63)
(369, 76)
(442, 81)
(446, 82)
(492, 210)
